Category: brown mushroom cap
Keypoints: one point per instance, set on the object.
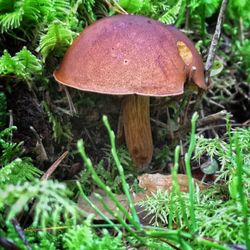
(137, 57)
(127, 54)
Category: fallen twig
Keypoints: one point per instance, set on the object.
(20, 233)
(202, 122)
(118, 8)
(53, 167)
(211, 52)
(39, 147)
(45, 176)
(212, 118)
(215, 41)
(7, 244)
(11, 118)
(201, 130)
(72, 108)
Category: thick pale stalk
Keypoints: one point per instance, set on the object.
(137, 129)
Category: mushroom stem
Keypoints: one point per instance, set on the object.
(136, 122)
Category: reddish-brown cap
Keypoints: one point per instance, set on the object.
(127, 54)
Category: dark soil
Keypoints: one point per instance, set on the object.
(87, 124)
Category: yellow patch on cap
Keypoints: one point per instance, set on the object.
(184, 52)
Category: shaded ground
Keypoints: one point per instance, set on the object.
(87, 124)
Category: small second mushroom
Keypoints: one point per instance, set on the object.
(137, 57)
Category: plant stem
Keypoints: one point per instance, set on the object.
(169, 234)
(188, 156)
(176, 234)
(121, 172)
(118, 216)
(244, 206)
(241, 30)
(211, 244)
(103, 186)
(96, 208)
(176, 188)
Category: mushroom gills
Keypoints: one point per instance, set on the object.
(137, 129)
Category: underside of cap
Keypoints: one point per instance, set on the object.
(127, 54)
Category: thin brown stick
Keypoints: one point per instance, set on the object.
(202, 122)
(47, 229)
(120, 8)
(221, 115)
(8, 244)
(212, 118)
(116, 7)
(39, 147)
(10, 118)
(215, 41)
(20, 233)
(45, 176)
(54, 166)
(72, 108)
(211, 52)
(202, 130)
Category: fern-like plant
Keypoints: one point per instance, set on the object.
(57, 35)
(225, 152)
(17, 13)
(52, 202)
(14, 169)
(9, 150)
(18, 171)
(24, 64)
(165, 11)
(53, 23)
(171, 15)
(83, 237)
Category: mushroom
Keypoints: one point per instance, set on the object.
(137, 57)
